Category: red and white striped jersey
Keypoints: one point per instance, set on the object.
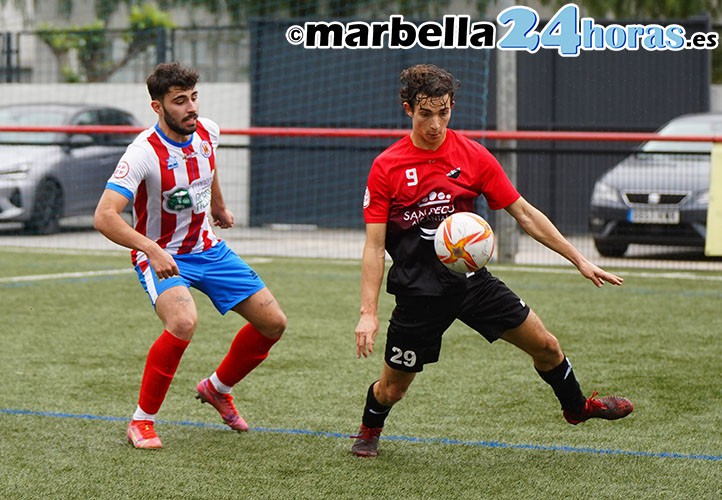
(169, 184)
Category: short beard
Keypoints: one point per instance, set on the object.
(176, 127)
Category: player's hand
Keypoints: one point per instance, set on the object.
(366, 331)
(223, 218)
(163, 263)
(599, 276)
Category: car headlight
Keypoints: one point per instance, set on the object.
(604, 194)
(702, 198)
(16, 172)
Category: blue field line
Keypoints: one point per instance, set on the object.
(408, 439)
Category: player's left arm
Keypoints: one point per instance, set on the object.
(538, 226)
(222, 216)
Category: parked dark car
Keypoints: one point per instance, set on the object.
(658, 195)
(46, 176)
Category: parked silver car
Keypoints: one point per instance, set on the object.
(660, 194)
(46, 176)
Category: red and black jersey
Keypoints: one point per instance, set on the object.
(412, 190)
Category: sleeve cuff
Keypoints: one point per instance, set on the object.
(120, 189)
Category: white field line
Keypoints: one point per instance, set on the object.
(82, 274)
(112, 272)
(67, 251)
(683, 275)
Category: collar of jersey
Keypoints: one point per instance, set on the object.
(430, 152)
(171, 141)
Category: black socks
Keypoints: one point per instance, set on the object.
(374, 412)
(565, 386)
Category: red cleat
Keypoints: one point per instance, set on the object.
(223, 403)
(367, 441)
(141, 434)
(608, 408)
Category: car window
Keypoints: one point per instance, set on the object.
(89, 117)
(86, 118)
(30, 116)
(117, 117)
(685, 128)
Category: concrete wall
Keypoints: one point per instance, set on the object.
(228, 104)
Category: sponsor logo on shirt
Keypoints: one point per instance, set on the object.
(434, 207)
(178, 200)
(196, 197)
(435, 198)
(201, 192)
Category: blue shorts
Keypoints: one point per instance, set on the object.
(218, 272)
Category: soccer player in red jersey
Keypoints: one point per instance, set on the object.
(169, 173)
(412, 186)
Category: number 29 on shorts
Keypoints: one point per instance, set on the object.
(400, 357)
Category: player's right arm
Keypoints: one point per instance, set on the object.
(372, 274)
(108, 221)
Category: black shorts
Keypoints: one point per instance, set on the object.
(417, 323)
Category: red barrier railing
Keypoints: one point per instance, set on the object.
(518, 135)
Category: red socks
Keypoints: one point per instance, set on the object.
(163, 359)
(247, 351)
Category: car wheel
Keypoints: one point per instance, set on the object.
(611, 249)
(48, 206)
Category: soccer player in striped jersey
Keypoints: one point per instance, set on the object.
(169, 174)
(412, 186)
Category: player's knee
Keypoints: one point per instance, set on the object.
(183, 326)
(549, 351)
(391, 394)
(274, 328)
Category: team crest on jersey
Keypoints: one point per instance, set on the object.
(454, 174)
(173, 162)
(206, 149)
(178, 200)
(121, 170)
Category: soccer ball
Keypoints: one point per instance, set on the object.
(464, 242)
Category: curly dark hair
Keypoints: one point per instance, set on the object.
(427, 80)
(167, 75)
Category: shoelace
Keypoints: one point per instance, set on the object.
(595, 403)
(228, 400)
(147, 431)
(366, 433)
(594, 407)
(229, 409)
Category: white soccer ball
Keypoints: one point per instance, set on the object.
(464, 242)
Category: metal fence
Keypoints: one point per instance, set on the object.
(121, 56)
(332, 226)
(296, 182)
